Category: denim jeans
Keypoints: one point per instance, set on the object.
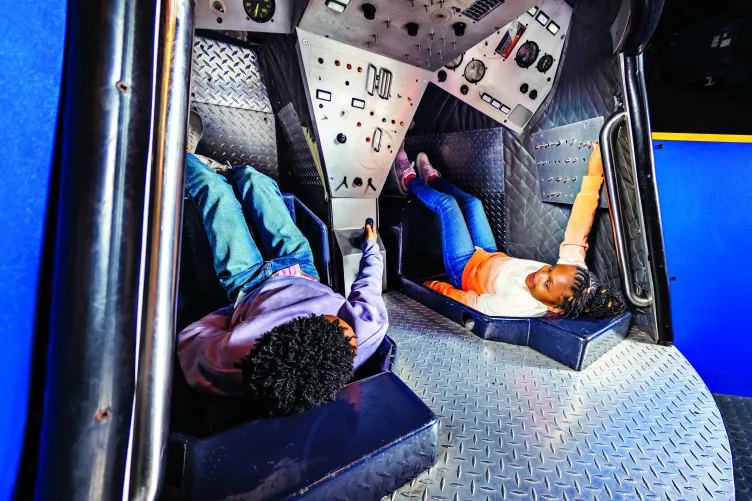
(464, 224)
(224, 205)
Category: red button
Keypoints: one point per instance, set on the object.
(336, 63)
(358, 124)
(349, 66)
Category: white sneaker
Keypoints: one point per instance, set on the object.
(404, 170)
(425, 169)
(195, 131)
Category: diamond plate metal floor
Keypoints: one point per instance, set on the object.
(737, 415)
(515, 425)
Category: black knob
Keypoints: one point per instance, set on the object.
(459, 29)
(442, 76)
(464, 90)
(523, 88)
(341, 138)
(369, 11)
(533, 94)
(412, 29)
(357, 182)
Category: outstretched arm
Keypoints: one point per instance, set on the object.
(575, 246)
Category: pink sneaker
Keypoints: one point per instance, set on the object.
(404, 170)
(426, 171)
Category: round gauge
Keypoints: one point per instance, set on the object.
(454, 63)
(527, 54)
(545, 63)
(475, 71)
(261, 11)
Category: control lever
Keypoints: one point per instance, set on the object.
(358, 240)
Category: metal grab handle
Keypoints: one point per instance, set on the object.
(608, 133)
(161, 251)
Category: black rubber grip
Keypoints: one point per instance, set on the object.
(369, 221)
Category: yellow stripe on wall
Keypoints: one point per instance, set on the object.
(711, 138)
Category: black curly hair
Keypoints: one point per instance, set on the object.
(297, 366)
(591, 298)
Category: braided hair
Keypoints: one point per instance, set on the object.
(590, 297)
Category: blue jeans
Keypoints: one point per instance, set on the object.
(238, 261)
(464, 224)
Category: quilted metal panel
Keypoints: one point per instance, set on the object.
(737, 415)
(238, 136)
(638, 424)
(227, 75)
(474, 162)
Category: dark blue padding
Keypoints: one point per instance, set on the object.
(574, 343)
(375, 437)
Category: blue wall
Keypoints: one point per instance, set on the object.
(31, 60)
(705, 193)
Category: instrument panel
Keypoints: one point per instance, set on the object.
(266, 16)
(362, 104)
(510, 74)
(423, 33)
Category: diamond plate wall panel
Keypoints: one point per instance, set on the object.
(238, 136)
(227, 75)
(229, 94)
(638, 424)
(737, 415)
(301, 157)
(473, 161)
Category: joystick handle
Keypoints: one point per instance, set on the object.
(358, 240)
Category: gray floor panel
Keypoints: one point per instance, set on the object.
(637, 424)
(737, 415)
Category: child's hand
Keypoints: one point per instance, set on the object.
(595, 164)
(371, 232)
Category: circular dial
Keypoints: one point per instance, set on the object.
(527, 54)
(545, 63)
(454, 63)
(260, 11)
(475, 71)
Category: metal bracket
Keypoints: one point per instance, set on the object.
(608, 136)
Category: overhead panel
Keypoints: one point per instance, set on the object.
(423, 33)
(510, 74)
(362, 104)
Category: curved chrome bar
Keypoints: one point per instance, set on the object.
(162, 250)
(608, 133)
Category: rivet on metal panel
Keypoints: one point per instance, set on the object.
(305, 42)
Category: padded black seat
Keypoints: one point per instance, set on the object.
(376, 436)
(574, 343)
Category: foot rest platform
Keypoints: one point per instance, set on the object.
(574, 343)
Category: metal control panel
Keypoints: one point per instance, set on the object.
(261, 16)
(561, 157)
(424, 33)
(510, 74)
(362, 104)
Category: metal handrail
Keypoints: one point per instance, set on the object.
(607, 137)
(161, 252)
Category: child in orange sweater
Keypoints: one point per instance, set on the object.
(499, 285)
